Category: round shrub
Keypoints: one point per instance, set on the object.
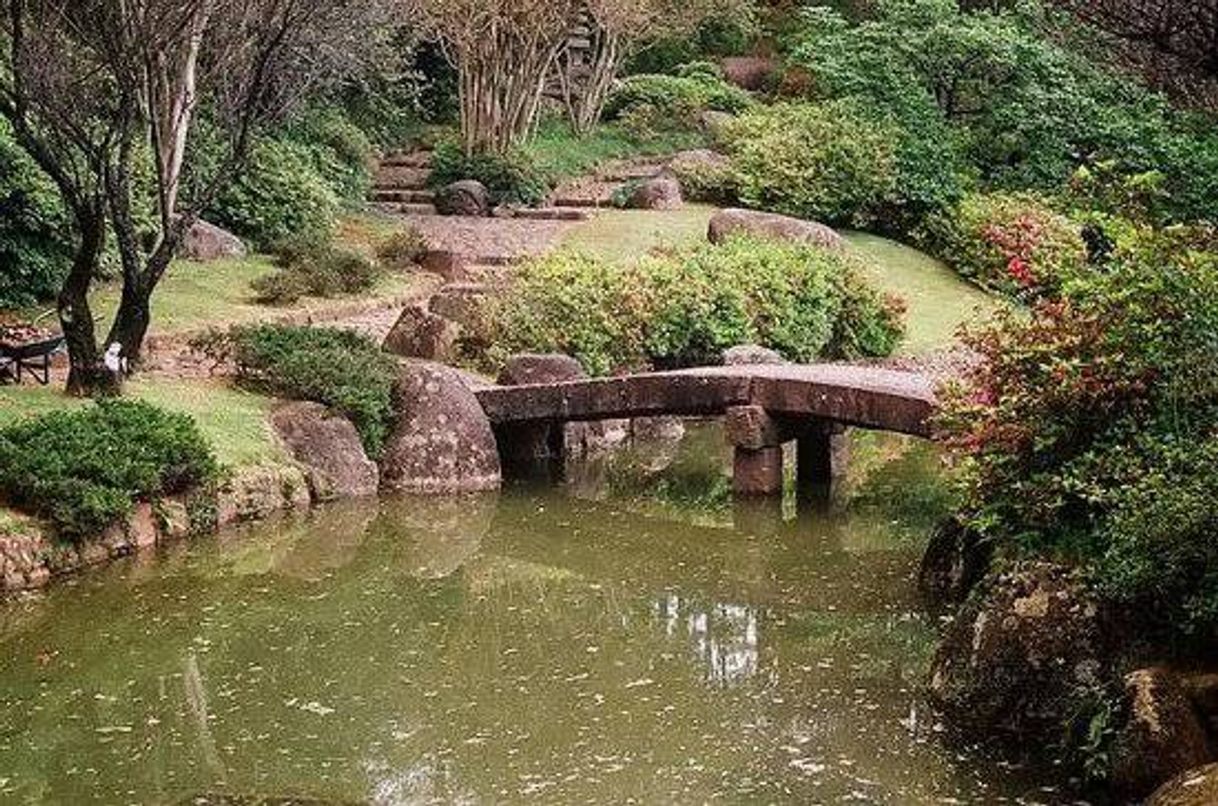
(402, 250)
(342, 154)
(318, 270)
(282, 195)
(83, 469)
(680, 98)
(513, 178)
(1012, 242)
(337, 368)
(829, 162)
(684, 307)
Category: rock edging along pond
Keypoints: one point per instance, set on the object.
(438, 422)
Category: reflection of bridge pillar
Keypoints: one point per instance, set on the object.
(532, 450)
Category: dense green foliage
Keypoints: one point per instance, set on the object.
(656, 103)
(35, 233)
(515, 178)
(1019, 110)
(1087, 431)
(337, 368)
(826, 162)
(83, 469)
(684, 307)
(316, 271)
(1011, 242)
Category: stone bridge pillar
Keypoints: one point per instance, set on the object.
(758, 438)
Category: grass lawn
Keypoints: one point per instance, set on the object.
(193, 296)
(939, 301)
(235, 422)
(562, 155)
(625, 235)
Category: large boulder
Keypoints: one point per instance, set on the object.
(733, 221)
(205, 242)
(1162, 737)
(1197, 787)
(442, 442)
(468, 197)
(1015, 658)
(956, 560)
(329, 448)
(745, 355)
(657, 193)
(538, 368)
(419, 333)
(461, 303)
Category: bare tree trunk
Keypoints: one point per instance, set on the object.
(87, 375)
(585, 96)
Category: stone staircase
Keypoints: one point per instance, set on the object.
(400, 184)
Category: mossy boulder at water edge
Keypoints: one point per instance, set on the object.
(329, 448)
(1020, 654)
(441, 442)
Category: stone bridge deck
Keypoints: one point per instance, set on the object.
(872, 398)
(765, 406)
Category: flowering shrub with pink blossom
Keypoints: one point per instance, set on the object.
(1010, 242)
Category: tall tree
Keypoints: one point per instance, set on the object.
(503, 51)
(1173, 43)
(93, 88)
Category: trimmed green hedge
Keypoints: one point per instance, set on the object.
(337, 368)
(83, 469)
(686, 306)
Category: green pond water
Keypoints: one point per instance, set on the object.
(629, 637)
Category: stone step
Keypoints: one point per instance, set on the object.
(401, 178)
(582, 202)
(399, 208)
(402, 195)
(408, 159)
(568, 213)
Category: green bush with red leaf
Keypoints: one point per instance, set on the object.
(1015, 243)
(1095, 408)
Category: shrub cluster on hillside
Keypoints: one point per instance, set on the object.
(684, 307)
(83, 470)
(337, 368)
(1088, 431)
(660, 102)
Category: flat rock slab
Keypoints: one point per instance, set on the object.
(485, 239)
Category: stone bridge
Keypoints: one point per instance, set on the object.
(764, 406)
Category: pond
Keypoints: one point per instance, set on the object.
(627, 638)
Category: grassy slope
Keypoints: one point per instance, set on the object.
(564, 156)
(234, 421)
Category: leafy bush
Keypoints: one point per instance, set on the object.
(84, 469)
(1013, 242)
(310, 268)
(511, 179)
(337, 368)
(684, 307)
(282, 195)
(829, 162)
(342, 154)
(1088, 430)
(402, 250)
(678, 99)
(35, 246)
(706, 178)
